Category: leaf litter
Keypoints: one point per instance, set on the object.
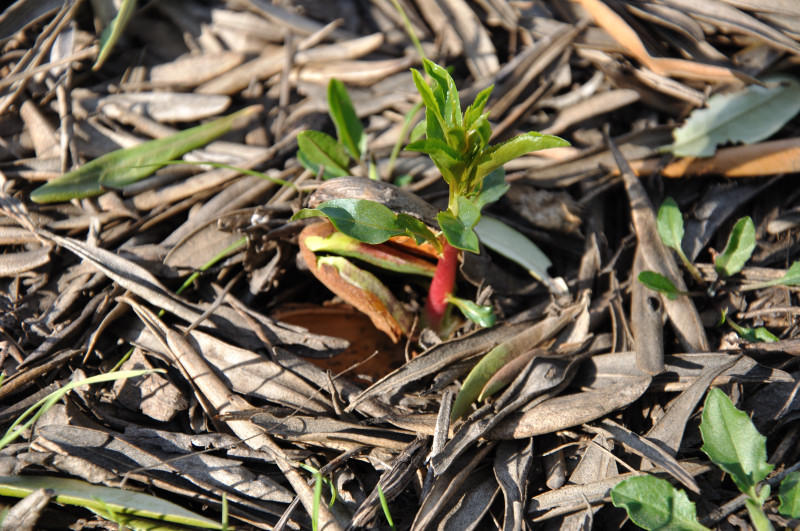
(603, 382)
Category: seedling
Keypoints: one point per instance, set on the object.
(458, 144)
(732, 442)
(739, 249)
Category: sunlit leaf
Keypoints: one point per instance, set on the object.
(481, 315)
(732, 442)
(348, 126)
(741, 244)
(125, 166)
(514, 245)
(417, 230)
(366, 221)
(114, 31)
(753, 335)
(477, 378)
(653, 503)
(495, 156)
(475, 110)
(670, 224)
(101, 499)
(660, 283)
(428, 98)
(749, 115)
(790, 495)
(319, 149)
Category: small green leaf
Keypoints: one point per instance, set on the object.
(750, 115)
(459, 235)
(113, 32)
(753, 335)
(125, 166)
(653, 503)
(418, 230)
(428, 98)
(322, 150)
(476, 380)
(348, 127)
(670, 224)
(660, 283)
(364, 220)
(481, 315)
(790, 495)
(493, 188)
(792, 276)
(741, 244)
(732, 442)
(495, 156)
(475, 110)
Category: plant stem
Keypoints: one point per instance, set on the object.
(442, 285)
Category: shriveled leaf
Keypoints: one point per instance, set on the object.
(366, 221)
(741, 244)
(514, 245)
(750, 115)
(481, 315)
(660, 283)
(653, 503)
(732, 442)
(125, 166)
(670, 224)
(318, 149)
(113, 31)
(790, 495)
(104, 500)
(458, 235)
(348, 126)
(495, 156)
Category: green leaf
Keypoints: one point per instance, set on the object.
(103, 500)
(790, 495)
(446, 93)
(732, 442)
(418, 230)
(660, 283)
(493, 188)
(459, 235)
(515, 246)
(476, 380)
(435, 146)
(757, 335)
(653, 503)
(113, 32)
(791, 278)
(475, 110)
(495, 156)
(322, 150)
(126, 166)
(750, 115)
(741, 244)
(348, 127)
(468, 212)
(481, 315)
(366, 221)
(419, 131)
(428, 98)
(670, 224)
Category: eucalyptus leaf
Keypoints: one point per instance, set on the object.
(741, 243)
(790, 495)
(348, 127)
(670, 224)
(653, 503)
(112, 33)
(125, 166)
(660, 283)
(320, 149)
(750, 115)
(104, 500)
(364, 220)
(732, 442)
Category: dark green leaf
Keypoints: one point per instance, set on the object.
(417, 230)
(125, 166)
(741, 244)
(753, 335)
(348, 126)
(653, 503)
(322, 150)
(790, 495)
(670, 224)
(495, 156)
(660, 283)
(459, 236)
(364, 220)
(480, 315)
(468, 212)
(732, 442)
(493, 188)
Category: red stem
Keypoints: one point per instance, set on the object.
(442, 285)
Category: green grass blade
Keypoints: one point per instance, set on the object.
(126, 166)
(113, 32)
